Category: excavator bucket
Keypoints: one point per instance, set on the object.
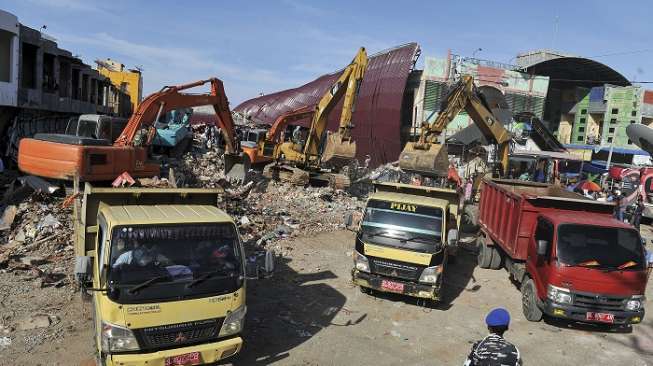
(430, 159)
(338, 153)
(236, 166)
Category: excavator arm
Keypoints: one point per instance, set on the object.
(428, 157)
(170, 98)
(283, 120)
(348, 84)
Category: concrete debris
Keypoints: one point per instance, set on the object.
(33, 322)
(5, 342)
(48, 221)
(8, 217)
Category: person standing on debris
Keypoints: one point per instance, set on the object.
(494, 350)
(638, 212)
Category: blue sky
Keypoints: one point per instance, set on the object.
(266, 46)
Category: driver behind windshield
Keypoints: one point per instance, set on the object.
(142, 255)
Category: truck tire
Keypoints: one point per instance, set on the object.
(484, 256)
(496, 261)
(469, 219)
(529, 301)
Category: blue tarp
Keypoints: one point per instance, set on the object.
(593, 168)
(616, 150)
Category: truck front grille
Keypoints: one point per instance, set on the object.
(594, 301)
(390, 268)
(177, 335)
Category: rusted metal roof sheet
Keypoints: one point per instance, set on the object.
(377, 114)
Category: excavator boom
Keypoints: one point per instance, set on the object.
(170, 98)
(339, 145)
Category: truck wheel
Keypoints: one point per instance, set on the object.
(484, 256)
(529, 301)
(495, 262)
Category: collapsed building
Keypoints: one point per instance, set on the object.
(42, 86)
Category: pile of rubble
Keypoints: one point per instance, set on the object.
(36, 237)
(271, 211)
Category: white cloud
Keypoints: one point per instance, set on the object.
(170, 65)
(77, 5)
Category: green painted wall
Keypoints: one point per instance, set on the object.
(623, 106)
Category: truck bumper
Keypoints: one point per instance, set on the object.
(413, 289)
(210, 353)
(576, 313)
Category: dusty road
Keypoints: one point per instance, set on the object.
(310, 314)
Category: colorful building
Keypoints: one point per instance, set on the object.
(129, 81)
(522, 92)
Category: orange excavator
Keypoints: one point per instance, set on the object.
(258, 145)
(69, 157)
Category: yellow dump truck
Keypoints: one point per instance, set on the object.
(404, 238)
(166, 272)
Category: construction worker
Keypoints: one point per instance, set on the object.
(494, 350)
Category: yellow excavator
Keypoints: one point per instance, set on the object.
(320, 156)
(428, 157)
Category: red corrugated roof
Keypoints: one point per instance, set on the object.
(377, 115)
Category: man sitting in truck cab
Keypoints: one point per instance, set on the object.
(141, 255)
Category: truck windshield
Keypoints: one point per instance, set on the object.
(600, 247)
(401, 224)
(172, 261)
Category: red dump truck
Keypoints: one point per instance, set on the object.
(571, 257)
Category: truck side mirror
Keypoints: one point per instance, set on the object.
(542, 247)
(254, 270)
(452, 237)
(83, 270)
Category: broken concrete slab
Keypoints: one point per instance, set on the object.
(8, 217)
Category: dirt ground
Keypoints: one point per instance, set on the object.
(309, 313)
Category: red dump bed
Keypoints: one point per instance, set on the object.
(509, 209)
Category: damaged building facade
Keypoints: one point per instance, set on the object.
(42, 86)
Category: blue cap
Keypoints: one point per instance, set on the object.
(497, 317)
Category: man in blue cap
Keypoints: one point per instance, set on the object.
(494, 350)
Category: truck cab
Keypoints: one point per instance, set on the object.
(588, 268)
(166, 272)
(404, 238)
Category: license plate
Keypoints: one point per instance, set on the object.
(192, 358)
(600, 317)
(392, 286)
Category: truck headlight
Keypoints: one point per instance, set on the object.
(361, 263)
(233, 323)
(558, 295)
(117, 339)
(635, 303)
(430, 274)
